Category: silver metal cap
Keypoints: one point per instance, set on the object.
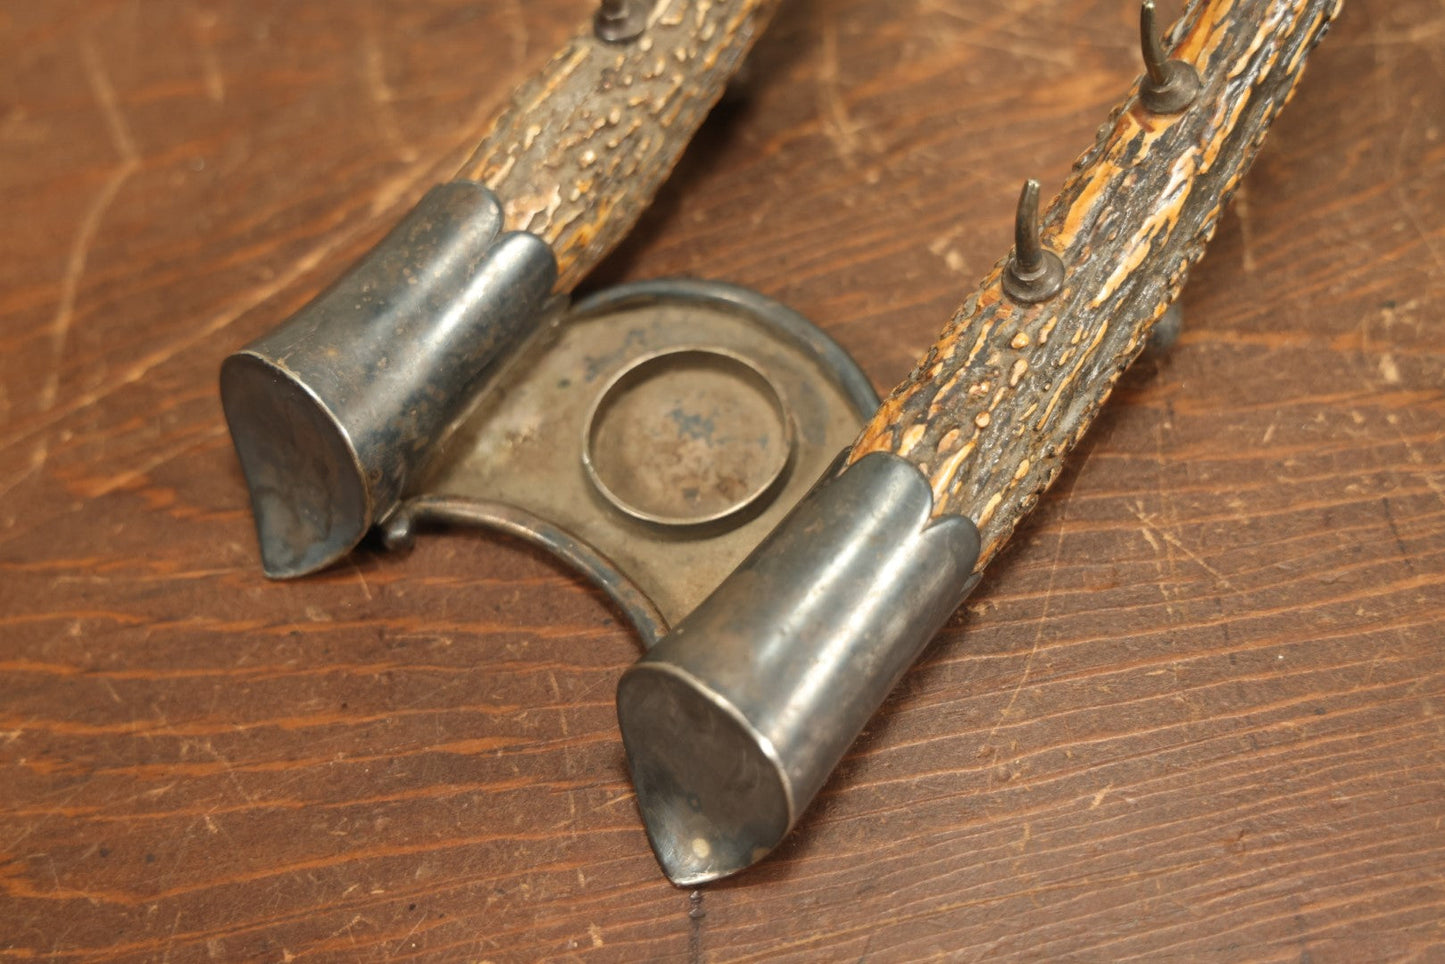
(734, 721)
(335, 412)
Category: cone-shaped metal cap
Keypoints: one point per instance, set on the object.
(733, 721)
(308, 493)
(336, 412)
(713, 795)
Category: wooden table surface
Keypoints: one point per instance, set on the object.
(1195, 712)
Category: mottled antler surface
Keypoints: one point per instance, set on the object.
(584, 145)
(993, 408)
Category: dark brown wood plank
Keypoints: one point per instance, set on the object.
(1197, 711)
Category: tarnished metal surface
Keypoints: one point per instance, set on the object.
(687, 437)
(650, 438)
(666, 427)
(335, 412)
(734, 721)
(1169, 86)
(620, 21)
(1033, 273)
(400, 528)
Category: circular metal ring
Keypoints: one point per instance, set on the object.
(688, 436)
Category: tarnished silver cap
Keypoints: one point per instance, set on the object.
(733, 722)
(334, 412)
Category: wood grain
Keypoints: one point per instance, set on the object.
(1195, 712)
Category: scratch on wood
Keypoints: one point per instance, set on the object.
(214, 81)
(124, 479)
(567, 763)
(1387, 368)
(244, 303)
(1166, 505)
(346, 929)
(361, 578)
(841, 129)
(1148, 521)
(421, 919)
(999, 33)
(1038, 634)
(104, 92)
(517, 25)
(382, 96)
(695, 915)
(171, 938)
(385, 198)
(37, 462)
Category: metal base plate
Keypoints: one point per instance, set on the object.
(652, 438)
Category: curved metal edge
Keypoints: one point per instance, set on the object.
(398, 531)
(276, 564)
(802, 643)
(376, 369)
(784, 320)
(758, 741)
(753, 503)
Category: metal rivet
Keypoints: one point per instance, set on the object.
(1171, 85)
(619, 21)
(1033, 274)
(398, 531)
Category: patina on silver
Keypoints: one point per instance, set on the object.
(650, 439)
(1169, 86)
(688, 437)
(734, 721)
(621, 21)
(336, 412)
(1033, 274)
